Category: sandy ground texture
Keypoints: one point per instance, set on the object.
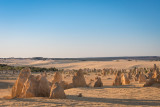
(108, 95)
(75, 64)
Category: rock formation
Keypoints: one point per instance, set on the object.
(79, 80)
(142, 78)
(65, 85)
(154, 78)
(57, 92)
(121, 79)
(98, 82)
(30, 88)
(117, 80)
(17, 87)
(44, 87)
(57, 77)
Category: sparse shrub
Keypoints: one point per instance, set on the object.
(4, 67)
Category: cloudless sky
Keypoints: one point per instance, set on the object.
(79, 28)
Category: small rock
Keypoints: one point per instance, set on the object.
(80, 95)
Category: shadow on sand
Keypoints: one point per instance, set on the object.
(5, 85)
(75, 100)
(109, 86)
(133, 102)
(108, 101)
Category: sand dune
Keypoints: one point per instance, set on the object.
(74, 64)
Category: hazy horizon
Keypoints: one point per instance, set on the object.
(79, 28)
(82, 57)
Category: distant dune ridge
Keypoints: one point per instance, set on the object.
(78, 64)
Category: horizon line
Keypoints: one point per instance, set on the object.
(73, 57)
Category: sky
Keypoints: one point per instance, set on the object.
(79, 28)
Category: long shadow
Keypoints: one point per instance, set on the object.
(109, 86)
(5, 85)
(133, 102)
(123, 86)
(45, 100)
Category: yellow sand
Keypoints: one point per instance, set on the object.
(130, 95)
(69, 64)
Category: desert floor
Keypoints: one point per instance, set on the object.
(108, 95)
(76, 64)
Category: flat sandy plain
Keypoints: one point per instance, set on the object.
(128, 95)
(76, 64)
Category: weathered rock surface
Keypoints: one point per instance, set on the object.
(57, 92)
(79, 80)
(17, 87)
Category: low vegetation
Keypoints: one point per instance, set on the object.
(5, 67)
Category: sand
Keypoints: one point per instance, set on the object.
(102, 97)
(121, 96)
(129, 95)
(74, 64)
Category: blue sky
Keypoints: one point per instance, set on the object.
(79, 28)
